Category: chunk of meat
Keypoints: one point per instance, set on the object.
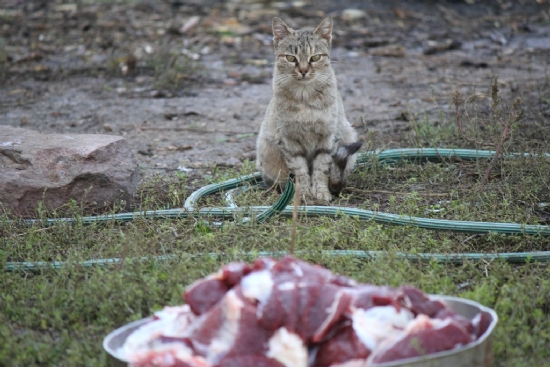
(301, 269)
(342, 347)
(311, 299)
(233, 273)
(212, 335)
(297, 296)
(168, 322)
(257, 286)
(447, 313)
(288, 348)
(308, 294)
(204, 294)
(262, 263)
(377, 324)
(281, 308)
(420, 303)
(271, 314)
(251, 337)
(249, 361)
(366, 296)
(481, 323)
(167, 355)
(422, 336)
(327, 310)
(343, 281)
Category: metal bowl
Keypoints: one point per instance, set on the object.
(476, 354)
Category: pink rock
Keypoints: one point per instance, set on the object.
(95, 170)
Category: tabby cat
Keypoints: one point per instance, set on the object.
(305, 131)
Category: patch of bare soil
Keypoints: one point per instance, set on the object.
(187, 83)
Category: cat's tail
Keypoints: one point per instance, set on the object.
(343, 161)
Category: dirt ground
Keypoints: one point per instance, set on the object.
(187, 82)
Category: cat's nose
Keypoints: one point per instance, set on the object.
(303, 71)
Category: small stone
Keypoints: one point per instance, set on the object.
(189, 24)
(433, 47)
(389, 51)
(184, 169)
(230, 82)
(351, 15)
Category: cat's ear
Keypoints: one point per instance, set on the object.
(280, 30)
(325, 29)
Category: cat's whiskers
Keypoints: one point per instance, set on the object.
(283, 79)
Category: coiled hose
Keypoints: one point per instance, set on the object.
(262, 213)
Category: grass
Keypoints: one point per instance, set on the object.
(59, 317)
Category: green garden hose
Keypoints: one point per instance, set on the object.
(263, 213)
(453, 258)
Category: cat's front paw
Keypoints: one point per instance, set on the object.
(323, 196)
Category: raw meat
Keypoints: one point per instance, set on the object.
(377, 324)
(304, 298)
(214, 333)
(422, 336)
(204, 294)
(288, 349)
(234, 272)
(420, 303)
(366, 296)
(167, 355)
(251, 337)
(481, 323)
(327, 310)
(250, 361)
(342, 347)
(169, 322)
(289, 313)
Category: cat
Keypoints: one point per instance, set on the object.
(305, 131)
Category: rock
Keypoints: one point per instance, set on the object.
(189, 24)
(433, 47)
(95, 170)
(351, 15)
(389, 51)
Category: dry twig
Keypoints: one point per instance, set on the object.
(294, 217)
(507, 122)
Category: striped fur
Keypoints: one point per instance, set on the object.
(305, 130)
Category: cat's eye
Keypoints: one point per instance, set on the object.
(290, 58)
(315, 58)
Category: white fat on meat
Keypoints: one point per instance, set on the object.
(423, 322)
(286, 286)
(171, 322)
(351, 363)
(418, 324)
(227, 333)
(374, 325)
(288, 348)
(257, 285)
(166, 355)
(162, 355)
(172, 311)
(297, 270)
